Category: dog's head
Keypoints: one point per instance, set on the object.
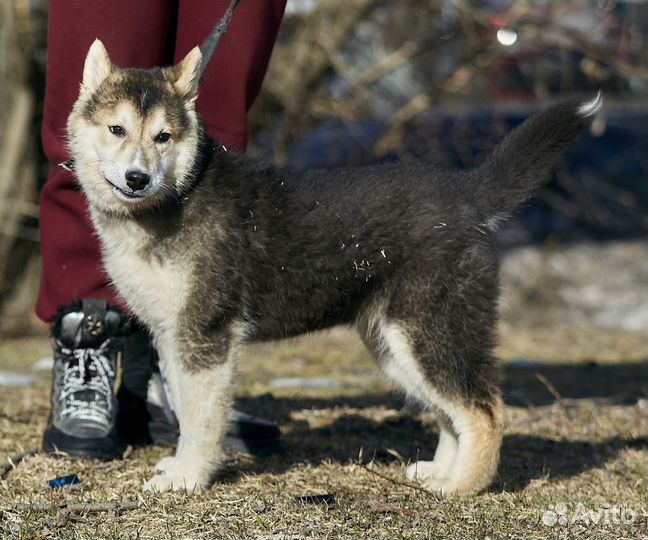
(134, 134)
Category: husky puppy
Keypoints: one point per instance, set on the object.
(211, 250)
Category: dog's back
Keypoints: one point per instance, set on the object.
(311, 249)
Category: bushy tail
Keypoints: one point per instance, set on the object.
(520, 164)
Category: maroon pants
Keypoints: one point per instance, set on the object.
(141, 34)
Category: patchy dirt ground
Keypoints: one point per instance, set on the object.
(573, 462)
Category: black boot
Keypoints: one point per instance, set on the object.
(87, 341)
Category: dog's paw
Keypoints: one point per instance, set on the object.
(165, 465)
(173, 482)
(431, 476)
(423, 470)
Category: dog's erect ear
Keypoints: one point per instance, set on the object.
(96, 68)
(186, 75)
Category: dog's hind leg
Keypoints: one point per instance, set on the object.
(202, 397)
(436, 344)
(467, 455)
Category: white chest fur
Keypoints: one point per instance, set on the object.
(155, 289)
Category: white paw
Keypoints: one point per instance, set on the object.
(422, 470)
(431, 476)
(165, 465)
(174, 482)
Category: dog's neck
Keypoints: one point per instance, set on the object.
(206, 151)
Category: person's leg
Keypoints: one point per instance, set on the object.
(71, 257)
(233, 79)
(136, 35)
(86, 343)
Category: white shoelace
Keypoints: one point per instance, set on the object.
(81, 378)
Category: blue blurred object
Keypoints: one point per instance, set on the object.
(64, 481)
(598, 189)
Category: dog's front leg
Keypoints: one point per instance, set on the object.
(202, 397)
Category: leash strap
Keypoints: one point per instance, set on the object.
(211, 43)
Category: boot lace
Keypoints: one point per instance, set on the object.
(87, 383)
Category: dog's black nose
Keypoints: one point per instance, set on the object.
(137, 180)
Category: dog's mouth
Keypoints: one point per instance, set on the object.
(128, 195)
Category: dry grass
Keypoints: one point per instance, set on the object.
(589, 448)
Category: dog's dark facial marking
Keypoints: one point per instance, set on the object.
(146, 90)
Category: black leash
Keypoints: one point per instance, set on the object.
(209, 45)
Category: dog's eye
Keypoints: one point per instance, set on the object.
(117, 130)
(162, 137)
